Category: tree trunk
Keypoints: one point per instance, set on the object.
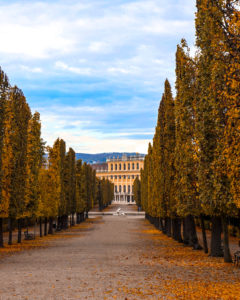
(164, 229)
(227, 254)
(176, 229)
(160, 224)
(1, 233)
(185, 232)
(70, 220)
(156, 223)
(216, 246)
(19, 231)
(191, 228)
(73, 221)
(26, 223)
(66, 221)
(45, 226)
(168, 226)
(10, 231)
(59, 223)
(50, 229)
(40, 227)
(205, 245)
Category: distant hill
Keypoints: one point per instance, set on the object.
(101, 157)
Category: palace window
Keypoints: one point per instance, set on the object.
(137, 166)
(120, 176)
(124, 167)
(128, 166)
(124, 188)
(128, 176)
(120, 188)
(120, 167)
(124, 176)
(115, 189)
(115, 167)
(132, 176)
(111, 167)
(129, 189)
(111, 177)
(133, 166)
(115, 176)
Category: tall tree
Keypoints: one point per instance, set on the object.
(137, 191)
(158, 156)
(169, 156)
(80, 191)
(4, 87)
(35, 152)
(186, 160)
(48, 202)
(56, 168)
(15, 157)
(231, 29)
(214, 183)
(70, 184)
(144, 186)
(106, 193)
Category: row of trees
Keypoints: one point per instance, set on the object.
(37, 186)
(192, 168)
(105, 193)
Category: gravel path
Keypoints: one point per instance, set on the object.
(115, 257)
(86, 266)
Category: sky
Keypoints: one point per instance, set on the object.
(94, 69)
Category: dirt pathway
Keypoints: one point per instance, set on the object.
(116, 257)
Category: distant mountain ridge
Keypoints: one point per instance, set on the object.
(102, 157)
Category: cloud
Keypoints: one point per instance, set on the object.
(93, 68)
(82, 124)
(31, 69)
(80, 71)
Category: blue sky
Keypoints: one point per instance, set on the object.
(94, 69)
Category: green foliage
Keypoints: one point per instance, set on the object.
(137, 191)
(169, 149)
(4, 87)
(70, 182)
(80, 188)
(211, 107)
(231, 93)
(15, 153)
(86, 194)
(106, 189)
(47, 204)
(57, 169)
(186, 153)
(158, 194)
(144, 180)
(35, 152)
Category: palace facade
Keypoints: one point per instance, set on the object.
(122, 173)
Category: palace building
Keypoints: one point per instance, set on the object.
(122, 172)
